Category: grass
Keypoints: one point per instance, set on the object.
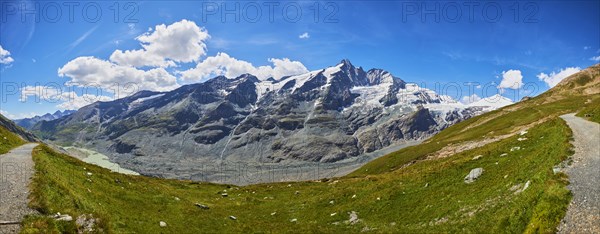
(8, 140)
(488, 125)
(396, 201)
(591, 111)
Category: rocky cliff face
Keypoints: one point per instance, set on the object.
(325, 116)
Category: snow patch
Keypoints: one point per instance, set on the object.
(139, 101)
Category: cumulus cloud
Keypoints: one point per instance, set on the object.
(304, 35)
(595, 58)
(470, 99)
(68, 100)
(162, 47)
(74, 101)
(19, 115)
(91, 71)
(555, 77)
(223, 64)
(5, 56)
(181, 41)
(511, 79)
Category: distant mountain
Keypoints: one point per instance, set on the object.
(27, 123)
(327, 115)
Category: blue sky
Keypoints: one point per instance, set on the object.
(529, 44)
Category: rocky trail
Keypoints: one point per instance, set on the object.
(16, 170)
(583, 214)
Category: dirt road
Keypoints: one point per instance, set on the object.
(583, 215)
(16, 170)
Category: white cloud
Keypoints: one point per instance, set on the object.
(470, 99)
(304, 35)
(223, 64)
(5, 56)
(554, 78)
(6, 114)
(75, 101)
(181, 41)
(82, 38)
(596, 58)
(46, 93)
(167, 46)
(90, 71)
(282, 67)
(19, 115)
(511, 79)
(67, 100)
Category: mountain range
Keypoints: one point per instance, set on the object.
(330, 115)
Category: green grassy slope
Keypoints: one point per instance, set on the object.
(16, 130)
(591, 111)
(8, 139)
(488, 125)
(396, 201)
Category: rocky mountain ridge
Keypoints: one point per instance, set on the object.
(324, 116)
(28, 123)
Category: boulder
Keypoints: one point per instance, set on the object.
(59, 217)
(202, 206)
(85, 223)
(353, 218)
(526, 185)
(473, 175)
(556, 169)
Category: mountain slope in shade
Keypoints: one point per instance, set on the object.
(334, 114)
(27, 123)
(15, 129)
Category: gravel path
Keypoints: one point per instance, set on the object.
(583, 215)
(16, 170)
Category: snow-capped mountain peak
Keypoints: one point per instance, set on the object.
(336, 113)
